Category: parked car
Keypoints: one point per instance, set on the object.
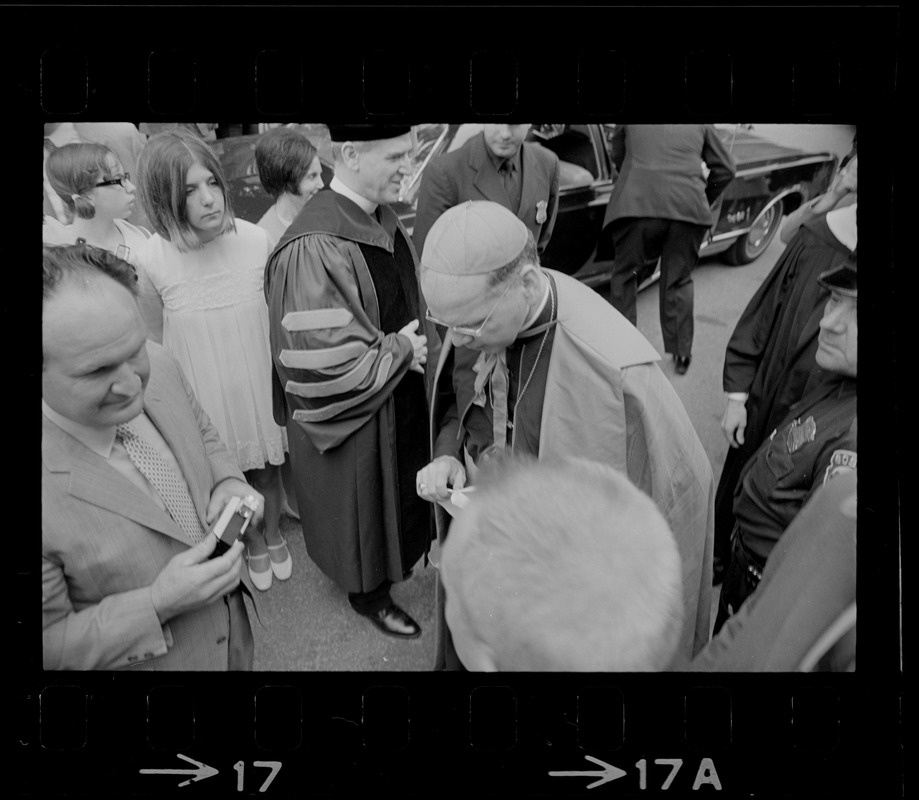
(771, 180)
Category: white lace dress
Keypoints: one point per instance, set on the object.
(215, 324)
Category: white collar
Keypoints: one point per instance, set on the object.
(336, 185)
(542, 304)
(842, 223)
(99, 440)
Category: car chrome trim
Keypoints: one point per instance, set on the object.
(827, 158)
(796, 189)
(431, 153)
(713, 248)
(723, 237)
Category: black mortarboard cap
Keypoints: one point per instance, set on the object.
(843, 278)
(366, 132)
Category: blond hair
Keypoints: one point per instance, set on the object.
(567, 567)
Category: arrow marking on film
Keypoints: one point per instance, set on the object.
(201, 772)
(609, 773)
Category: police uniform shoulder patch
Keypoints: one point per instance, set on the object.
(841, 461)
(799, 433)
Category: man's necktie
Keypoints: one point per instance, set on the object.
(154, 468)
(511, 184)
(492, 367)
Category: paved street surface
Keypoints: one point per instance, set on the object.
(308, 624)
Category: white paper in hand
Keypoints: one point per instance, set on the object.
(459, 499)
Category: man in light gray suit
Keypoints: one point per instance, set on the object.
(127, 578)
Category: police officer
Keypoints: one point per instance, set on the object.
(816, 443)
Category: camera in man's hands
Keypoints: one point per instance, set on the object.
(233, 521)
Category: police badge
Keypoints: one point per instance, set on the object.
(541, 215)
(799, 433)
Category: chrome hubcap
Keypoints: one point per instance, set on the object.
(762, 228)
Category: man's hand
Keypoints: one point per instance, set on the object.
(846, 181)
(432, 480)
(190, 581)
(734, 421)
(419, 346)
(232, 487)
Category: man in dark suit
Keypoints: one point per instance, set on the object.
(497, 164)
(133, 472)
(661, 208)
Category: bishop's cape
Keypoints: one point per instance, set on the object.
(607, 400)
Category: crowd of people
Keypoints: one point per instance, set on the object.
(325, 364)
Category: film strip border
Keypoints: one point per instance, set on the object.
(816, 84)
(809, 736)
(578, 62)
(498, 735)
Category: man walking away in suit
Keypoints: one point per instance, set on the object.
(661, 208)
(499, 165)
(132, 473)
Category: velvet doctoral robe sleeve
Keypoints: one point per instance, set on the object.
(334, 365)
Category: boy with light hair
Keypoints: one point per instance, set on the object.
(561, 565)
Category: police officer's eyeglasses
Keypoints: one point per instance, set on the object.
(122, 181)
(475, 333)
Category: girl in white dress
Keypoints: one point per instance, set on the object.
(98, 195)
(208, 267)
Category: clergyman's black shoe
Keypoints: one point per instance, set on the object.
(682, 364)
(393, 621)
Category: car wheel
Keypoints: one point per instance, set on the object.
(753, 244)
